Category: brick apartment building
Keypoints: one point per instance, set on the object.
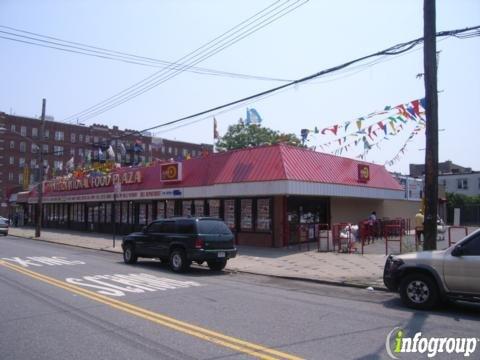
(19, 157)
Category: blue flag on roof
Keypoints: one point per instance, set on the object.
(253, 117)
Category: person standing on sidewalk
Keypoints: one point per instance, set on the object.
(419, 219)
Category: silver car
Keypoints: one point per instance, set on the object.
(4, 226)
(426, 277)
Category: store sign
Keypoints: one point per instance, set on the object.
(171, 172)
(92, 182)
(363, 173)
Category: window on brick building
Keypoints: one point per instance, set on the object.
(58, 150)
(12, 144)
(45, 148)
(59, 136)
(12, 160)
(12, 128)
(23, 146)
(34, 148)
(46, 134)
(23, 130)
(73, 138)
(20, 179)
(10, 176)
(34, 132)
(80, 137)
(21, 162)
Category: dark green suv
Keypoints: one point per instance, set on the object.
(181, 241)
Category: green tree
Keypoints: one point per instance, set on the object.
(241, 136)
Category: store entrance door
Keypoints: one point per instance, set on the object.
(302, 211)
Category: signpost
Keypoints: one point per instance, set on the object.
(117, 189)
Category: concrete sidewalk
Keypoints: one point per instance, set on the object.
(296, 263)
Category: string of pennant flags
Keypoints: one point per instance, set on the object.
(395, 119)
(402, 150)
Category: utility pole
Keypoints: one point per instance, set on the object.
(431, 135)
(38, 223)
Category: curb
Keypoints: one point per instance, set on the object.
(66, 244)
(232, 271)
(316, 281)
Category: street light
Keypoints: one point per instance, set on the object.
(38, 214)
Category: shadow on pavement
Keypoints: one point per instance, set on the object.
(451, 309)
(195, 270)
(272, 253)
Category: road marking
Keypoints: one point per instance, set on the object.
(44, 260)
(254, 350)
(132, 283)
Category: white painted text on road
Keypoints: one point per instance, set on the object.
(43, 260)
(119, 284)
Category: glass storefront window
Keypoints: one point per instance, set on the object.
(214, 207)
(246, 214)
(170, 208)
(101, 213)
(187, 207)
(108, 213)
(81, 209)
(199, 207)
(149, 213)
(229, 212)
(142, 214)
(90, 215)
(118, 212)
(131, 216)
(263, 222)
(160, 209)
(125, 212)
(95, 214)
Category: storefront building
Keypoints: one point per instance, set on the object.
(263, 194)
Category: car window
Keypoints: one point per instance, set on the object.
(207, 226)
(3, 222)
(186, 227)
(167, 227)
(472, 247)
(155, 227)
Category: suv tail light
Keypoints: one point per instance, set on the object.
(199, 243)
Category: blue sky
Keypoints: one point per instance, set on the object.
(315, 36)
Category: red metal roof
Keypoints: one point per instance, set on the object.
(267, 163)
(281, 162)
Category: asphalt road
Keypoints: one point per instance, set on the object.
(61, 302)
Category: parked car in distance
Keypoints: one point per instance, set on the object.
(4, 226)
(179, 241)
(424, 278)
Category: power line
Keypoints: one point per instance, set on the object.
(88, 50)
(238, 32)
(391, 51)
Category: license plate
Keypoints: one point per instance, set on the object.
(221, 254)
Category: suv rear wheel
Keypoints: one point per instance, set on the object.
(419, 291)
(217, 265)
(129, 255)
(178, 260)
